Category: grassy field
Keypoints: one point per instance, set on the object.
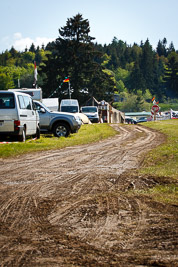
(87, 133)
(162, 162)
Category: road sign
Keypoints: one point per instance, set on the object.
(155, 108)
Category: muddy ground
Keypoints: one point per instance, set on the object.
(76, 207)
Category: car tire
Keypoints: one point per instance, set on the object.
(22, 137)
(37, 135)
(61, 129)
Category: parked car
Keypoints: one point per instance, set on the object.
(58, 123)
(130, 120)
(17, 116)
(84, 118)
(142, 119)
(91, 112)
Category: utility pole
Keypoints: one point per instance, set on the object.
(69, 91)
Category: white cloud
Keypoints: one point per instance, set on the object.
(42, 40)
(20, 43)
(17, 35)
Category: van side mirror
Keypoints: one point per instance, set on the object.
(42, 110)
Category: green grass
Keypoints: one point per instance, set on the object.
(165, 193)
(88, 133)
(163, 160)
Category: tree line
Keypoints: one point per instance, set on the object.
(135, 72)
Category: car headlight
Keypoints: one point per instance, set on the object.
(73, 118)
(76, 119)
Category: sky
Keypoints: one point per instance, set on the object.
(132, 21)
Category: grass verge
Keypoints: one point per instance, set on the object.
(87, 134)
(167, 193)
(162, 161)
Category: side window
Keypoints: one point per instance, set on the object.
(37, 106)
(21, 102)
(28, 102)
(33, 105)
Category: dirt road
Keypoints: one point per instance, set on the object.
(76, 207)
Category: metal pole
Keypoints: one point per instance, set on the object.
(154, 115)
(69, 91)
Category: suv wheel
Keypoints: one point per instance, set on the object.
(61, 129)
(37, 135)
(38, 132)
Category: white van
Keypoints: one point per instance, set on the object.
(35, 93)
(69, 105)
(18, 116)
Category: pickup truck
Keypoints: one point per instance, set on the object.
(58, 123)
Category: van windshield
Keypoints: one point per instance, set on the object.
(89, 109)
(7, 101)
(71, 109)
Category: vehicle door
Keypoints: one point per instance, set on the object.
(27, 114)
(44, 115)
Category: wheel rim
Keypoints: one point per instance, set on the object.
(61, 130)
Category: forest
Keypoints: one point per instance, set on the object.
(128, 76)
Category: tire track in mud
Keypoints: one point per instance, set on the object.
(71, 206)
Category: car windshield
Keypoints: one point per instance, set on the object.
(142, 119)
(89, 109)
(38, 106)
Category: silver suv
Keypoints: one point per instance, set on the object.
(58, 123)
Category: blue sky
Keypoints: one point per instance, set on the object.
(23, 22)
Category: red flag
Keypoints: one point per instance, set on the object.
(66, 80)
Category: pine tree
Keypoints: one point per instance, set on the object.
(32, 48)
(146, 65)
(171, 75)
(73, 55)
(161, 48)
(137, 80)
(171, 48)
